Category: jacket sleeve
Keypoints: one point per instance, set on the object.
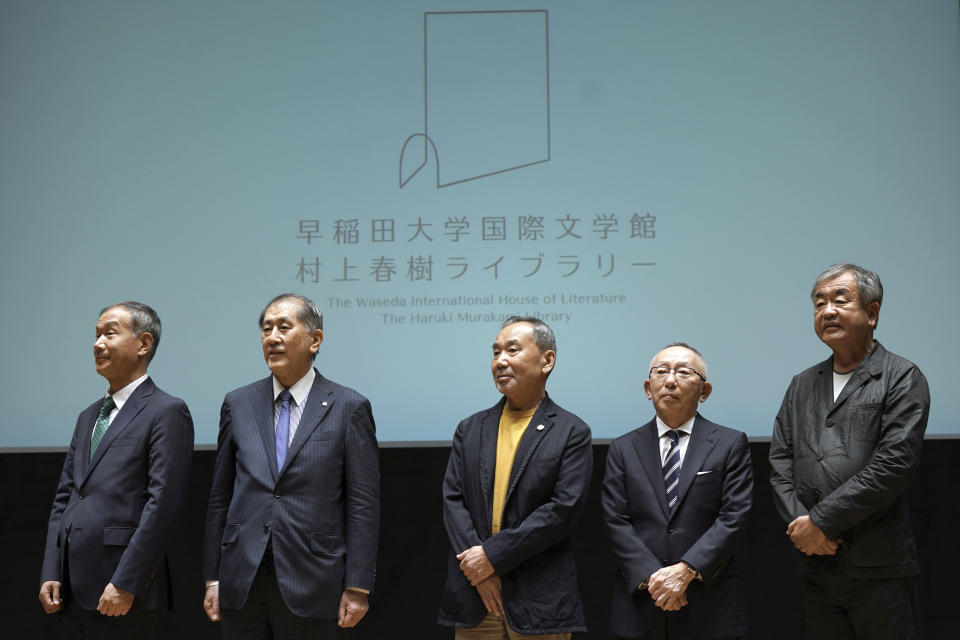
(51, 569)
(168, 469)
(554, 520)
(362, 499)
(456, 515)
(782, 461)
(635, 561)
(895, 460)
(221, 493)
(715, 546)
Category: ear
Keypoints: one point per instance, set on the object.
(146, 343)
(549, 359)
(873, 313)
(315, 339)
(706, 391)
(646, 388)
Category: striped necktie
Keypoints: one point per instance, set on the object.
(103, 421)
(283, 427)
(671, 467)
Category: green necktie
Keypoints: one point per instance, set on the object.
(103, 421)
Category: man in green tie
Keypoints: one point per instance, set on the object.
(121, 490)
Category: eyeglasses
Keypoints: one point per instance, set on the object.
(683, 374)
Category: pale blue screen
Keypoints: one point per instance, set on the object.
(635, 172)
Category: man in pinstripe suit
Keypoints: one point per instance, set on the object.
(292, 524)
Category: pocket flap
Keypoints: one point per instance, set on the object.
(118, 536)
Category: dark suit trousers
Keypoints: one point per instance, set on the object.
(92, 625)
(265, 615)
(668, 627)
(844, 608)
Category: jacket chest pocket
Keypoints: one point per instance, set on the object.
(865, 422)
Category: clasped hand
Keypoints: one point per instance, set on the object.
(808, 538)
(668, 586)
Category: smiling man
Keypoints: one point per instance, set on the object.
(293, 519)
(121, 491)
(516, 482)
(846, 444)
(676, 495)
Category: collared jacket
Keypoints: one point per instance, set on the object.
(533, 551)
(847, 463)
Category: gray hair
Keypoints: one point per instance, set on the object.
(542, 333)
(307, 312)
(686, 346)
(868, 282)
(143, 319)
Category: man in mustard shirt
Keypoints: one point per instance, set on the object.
(515, 485)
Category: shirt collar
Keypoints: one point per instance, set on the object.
(299, 389)
(686, 427)
(124, 394)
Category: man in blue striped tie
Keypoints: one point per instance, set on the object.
(676, 494)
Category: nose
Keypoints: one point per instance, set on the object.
(671, 379)
(829, 310)
(98, 344)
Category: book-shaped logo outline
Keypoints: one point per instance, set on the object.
(409, 149)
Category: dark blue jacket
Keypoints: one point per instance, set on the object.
(533, 551)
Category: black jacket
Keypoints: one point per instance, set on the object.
(533, 552)
(848, 463)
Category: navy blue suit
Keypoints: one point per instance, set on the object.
(715, 495)
(533, 551)
(321, 510)
(114, 515)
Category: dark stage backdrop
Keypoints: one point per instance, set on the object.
(413, 548)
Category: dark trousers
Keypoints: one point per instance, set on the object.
(842, 608)
(669, 627)
(92, 625)
(266, 616)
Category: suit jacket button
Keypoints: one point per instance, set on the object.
(819, 456)
(829, 422)
(82, 494)
(670, 530)
(266, 528)
(276, 494)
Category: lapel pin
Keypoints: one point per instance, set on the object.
(324, 403)
(539, 427)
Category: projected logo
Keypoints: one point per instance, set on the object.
(486, 95)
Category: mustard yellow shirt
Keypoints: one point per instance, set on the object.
(512, 426)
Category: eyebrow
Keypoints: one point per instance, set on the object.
(834, 290)
(667, 364)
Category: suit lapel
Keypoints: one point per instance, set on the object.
(824, 385)
(319, 401)
(134, 405)
(872, 367)
(647, 446)
(489, 430)
(81, 457)
(702, 440)
(263, 418)
(536, 430)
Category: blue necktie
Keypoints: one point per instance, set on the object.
(283, 428)
(103, 421)
(671, 468)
